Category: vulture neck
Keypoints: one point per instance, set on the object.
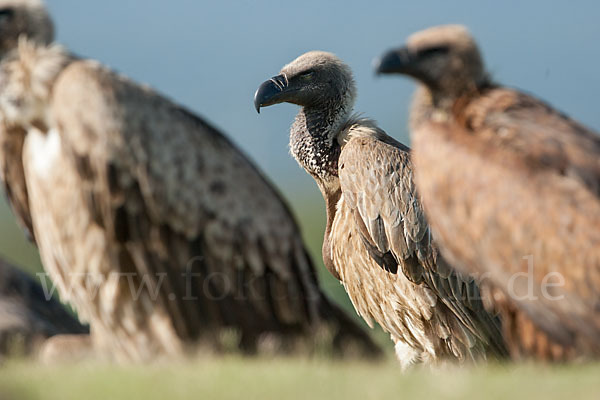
(422, 108)
(314, 144)
(313, 139)
(431, 105)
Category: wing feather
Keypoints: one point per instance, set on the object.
(376, 176)
(169, 190)
(546, 169)
(13, 177)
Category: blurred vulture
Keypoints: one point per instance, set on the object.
(151, 223)
(511, 188)
(28, 315)
(377, 241)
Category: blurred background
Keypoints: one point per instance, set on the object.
(211, 56)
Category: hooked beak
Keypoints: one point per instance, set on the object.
(270, 92)
(394, 61)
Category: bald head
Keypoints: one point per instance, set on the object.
(445, 58)
(314, 79)
(27, 18)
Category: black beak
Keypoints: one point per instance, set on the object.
(394, 61)
(270, 92)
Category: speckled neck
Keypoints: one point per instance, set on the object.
(314, 144)
(313, 137)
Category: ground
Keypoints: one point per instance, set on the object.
(287, 378)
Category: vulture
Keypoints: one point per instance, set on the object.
(377, 241)
(28, 313)
(152, 224)
(511, 188)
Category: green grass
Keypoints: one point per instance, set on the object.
(288, 378)
(240, 378)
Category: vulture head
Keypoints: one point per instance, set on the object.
(444, 58)
(26, 79)
(316, 79)
(27, 18)
(323, 86)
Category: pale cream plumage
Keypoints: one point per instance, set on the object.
(377, 239)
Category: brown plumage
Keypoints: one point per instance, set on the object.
(511, 188)
(153, 225)
(28, 313)
(377, 240)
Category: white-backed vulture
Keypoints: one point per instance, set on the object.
(28, 313)
(511, 188)
(152, 224)
(377, 240)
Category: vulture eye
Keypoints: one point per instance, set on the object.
(431, 51)
(307, 75)
(6, 13)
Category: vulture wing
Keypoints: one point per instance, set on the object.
(376, 178)
(177, 200)
(546, 139)
(11, 170)
(530, 218)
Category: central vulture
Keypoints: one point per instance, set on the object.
(511, 188)
(377, 241)
(152, 224)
